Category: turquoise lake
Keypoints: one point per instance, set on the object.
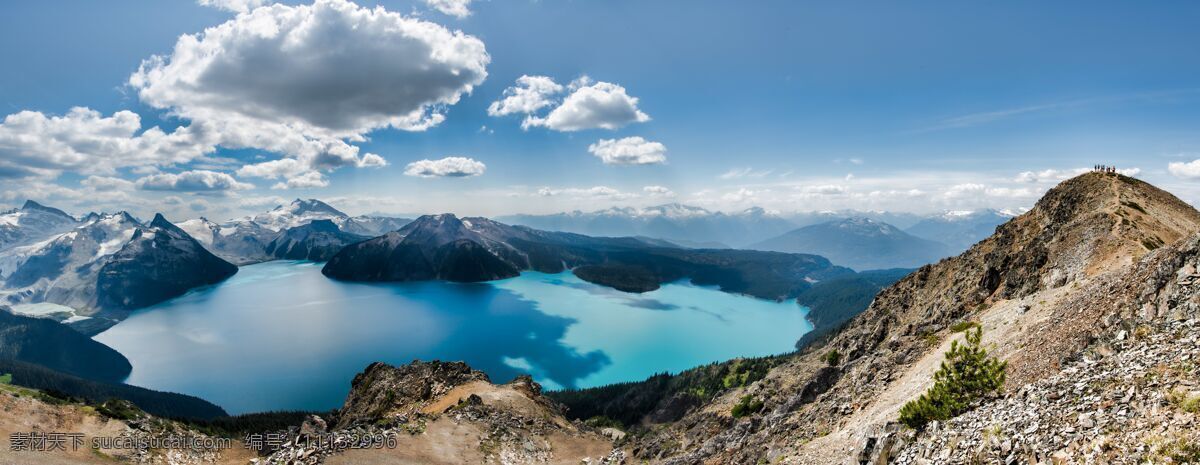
(281, 336)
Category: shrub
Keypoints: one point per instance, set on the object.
(966, 375)
(833, 358)
(747, 405)
(963, 326)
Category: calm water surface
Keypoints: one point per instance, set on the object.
(279, 335)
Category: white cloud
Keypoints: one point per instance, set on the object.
(449, 167)
(746, 172)
(658, 191)
(305, 180)
(192, 181)
(596, 191)
(532, 93)
(1055, 176)
(456, 8)
(824, 189)
(740, 195)
(600, 105)
(105, 183)
(1185, 170)
(629, 151)
(304, 80)
(34, 144)
(236, 6)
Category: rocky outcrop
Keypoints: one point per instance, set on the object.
(1134, 401)
(445, 413)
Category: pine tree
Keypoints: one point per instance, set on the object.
(966, 375)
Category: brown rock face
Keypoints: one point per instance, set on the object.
(383, 389)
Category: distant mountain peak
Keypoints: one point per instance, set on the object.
(313, 205)
(34, 206)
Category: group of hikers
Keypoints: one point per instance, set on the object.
(1104, 168)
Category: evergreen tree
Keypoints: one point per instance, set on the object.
(966, 375)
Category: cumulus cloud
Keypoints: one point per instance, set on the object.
(1185, 170)
(449, 167)
(591, 105)
(192, 181)
(658, 191)
(105, 183)
(34, 144)
(456, 8)
(629, 151)
(304, 80)
(532, 93)
(236, 6)
(305, 180)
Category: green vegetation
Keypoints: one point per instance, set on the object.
(963, 326)
(66, 386)
(967, 374)
(120, 410)
(835, 301)
(6, 378)
(1184, 400)
(746, 406)
(664, 395)
(603, 422)
(240, 425)
(832, 358)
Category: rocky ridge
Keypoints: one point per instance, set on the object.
(1028, 285)
(445, 413)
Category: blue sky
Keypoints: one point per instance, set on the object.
(793, 106)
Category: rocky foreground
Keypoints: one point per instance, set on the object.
(1135, 400)
(445, 413)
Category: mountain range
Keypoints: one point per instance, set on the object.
(688, 225)
(859, 243)
(283, 232)
(102, 267)
(756, 228)
(478, 249)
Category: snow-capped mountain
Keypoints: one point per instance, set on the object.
(299, 212)
(108, 266)
(684, 224)
(239, 241)
(900, 220)
(32, 222)
(249, 240)
(960, 229)
(859, 243)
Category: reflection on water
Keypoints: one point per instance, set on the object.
(280, 335)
